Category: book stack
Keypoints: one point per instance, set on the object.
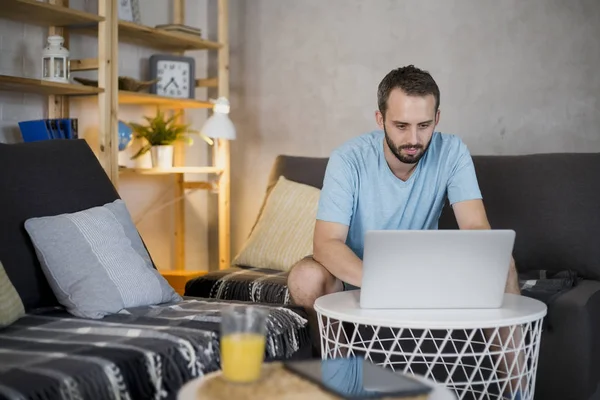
(46, 129)
(180, 28)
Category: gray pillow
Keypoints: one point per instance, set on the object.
(96, 263)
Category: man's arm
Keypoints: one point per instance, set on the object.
(331, 251)
(470, 214)
(336, 206)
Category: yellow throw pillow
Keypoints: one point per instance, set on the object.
(284, 232)
(11, 306)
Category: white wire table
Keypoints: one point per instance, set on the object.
(477, 353)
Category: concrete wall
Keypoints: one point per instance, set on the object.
(515, 77)
(20, 50)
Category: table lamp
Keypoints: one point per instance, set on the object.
(218, 125)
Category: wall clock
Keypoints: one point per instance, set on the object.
(175, 74)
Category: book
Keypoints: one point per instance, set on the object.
(180, 29)
(48, 129)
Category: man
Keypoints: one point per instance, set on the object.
(396, 178)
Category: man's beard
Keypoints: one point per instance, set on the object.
(405, 158)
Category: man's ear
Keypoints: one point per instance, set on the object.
(379, 119)
(437, 116)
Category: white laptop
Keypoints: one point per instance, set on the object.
(433, 269)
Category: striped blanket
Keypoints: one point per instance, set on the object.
(140, 353)
(258, 285)
(263, 285)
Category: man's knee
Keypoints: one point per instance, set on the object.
(311, 276)
(307, 270)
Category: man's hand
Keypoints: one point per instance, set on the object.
(331, 251)
(471, 214)
(512, 283)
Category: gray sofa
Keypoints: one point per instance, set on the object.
(552, 201)
(138, 353)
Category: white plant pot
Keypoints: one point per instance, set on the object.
(162, 156)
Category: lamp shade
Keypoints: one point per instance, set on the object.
(218, 125)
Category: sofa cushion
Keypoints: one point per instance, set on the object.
(43, 178)
(569, 354)
(284, 233)
(141, 353)
(11, 306)
(307, 170)
(96, 263)
(550, 200)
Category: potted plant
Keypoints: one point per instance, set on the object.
(160, 135)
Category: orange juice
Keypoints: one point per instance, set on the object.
(242, 355)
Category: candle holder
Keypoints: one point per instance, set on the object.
(55, 60)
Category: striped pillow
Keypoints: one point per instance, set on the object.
(96, 262)
(11, 306)
(284, 232)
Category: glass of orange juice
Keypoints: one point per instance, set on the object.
(243, 337)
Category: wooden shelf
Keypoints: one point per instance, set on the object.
(29, 85)
(171, 42)
(174, 170)
(148, 99)
(34, 12)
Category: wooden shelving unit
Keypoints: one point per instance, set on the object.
(160, 39)
(178, 279)
(174, 170)
(147, 99)
(46, 14)
(147, 36)
(110, 31)
(28, 85)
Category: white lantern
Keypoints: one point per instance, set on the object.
(55, 61)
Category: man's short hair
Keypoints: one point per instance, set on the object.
(412, 80)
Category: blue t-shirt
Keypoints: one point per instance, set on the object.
(361, 191)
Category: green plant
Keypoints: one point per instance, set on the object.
(162, 132)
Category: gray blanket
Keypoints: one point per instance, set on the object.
(146, 352)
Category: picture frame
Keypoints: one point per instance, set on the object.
(129, 10)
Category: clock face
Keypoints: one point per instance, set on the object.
(174, 79)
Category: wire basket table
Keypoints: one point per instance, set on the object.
(477, 353)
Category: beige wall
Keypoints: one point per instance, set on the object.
(515, 77)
